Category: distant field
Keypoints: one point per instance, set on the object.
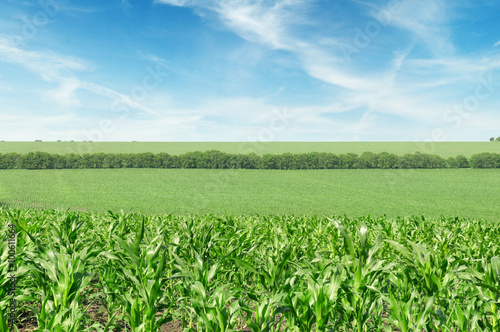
(443, 149)
(452, 192)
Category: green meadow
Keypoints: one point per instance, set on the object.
(469, 193)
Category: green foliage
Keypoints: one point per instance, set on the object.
(263, 273)
(485, 160)
(449, 192)
(214, 159)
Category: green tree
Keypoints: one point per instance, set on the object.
(485, 160)
(368, 160)
(73, 160)
(37, 160)
(10, 160)
(332, 161)
(349, 160)
(387, 160)
(461, 161)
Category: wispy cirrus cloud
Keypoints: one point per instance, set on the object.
(427, 21)
(63, 71)
(347, 70)
(403, 86)
(48, 65)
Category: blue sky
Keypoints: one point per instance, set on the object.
(235, 70)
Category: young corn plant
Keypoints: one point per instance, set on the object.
(265, 314)
(65, 233)
(5, 285)
(215, 312)
(201, 240)
(273, 272)
(315, 305)
(407, 316)
(120, 225)
(298, 312)
(241, 244)
(25, 222)
(466, 318)
(110, 284)
(198, 274)
(431, 275)
(61, 290)
(488, 285)
(144, 272)
(362, 289)
(6, 297)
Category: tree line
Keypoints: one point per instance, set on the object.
(214, 159)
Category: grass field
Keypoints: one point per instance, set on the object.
(470, 193)
(444, 149)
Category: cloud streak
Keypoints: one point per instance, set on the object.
(63, 71)
(356, 70)
(402, 87)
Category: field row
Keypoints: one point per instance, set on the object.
(104, 272)
(214, 159)
(469, 193)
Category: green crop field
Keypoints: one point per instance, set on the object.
(250, 250)
(443, 149)
(452, 192)
(144, 273)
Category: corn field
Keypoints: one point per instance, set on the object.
(133, 272)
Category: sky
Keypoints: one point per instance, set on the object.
(238, 70)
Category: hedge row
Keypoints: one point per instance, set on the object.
(217, 159)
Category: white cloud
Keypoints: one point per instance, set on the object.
(496, 44)
(427, 21)
(405, 87)
(48, 65)
(122, 99)
(65, 93)
(62, 70)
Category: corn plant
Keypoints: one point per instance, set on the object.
(409, 316)
(110, 285)
(315, 305)
(431, 274)
(488, 285)
(143, 270)
(61, 289)
(270, 273)
(214, 312)
(5, 296)
(266, 313)
(362, 289)
(273, 271)
(65, 233)
(465, 317)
